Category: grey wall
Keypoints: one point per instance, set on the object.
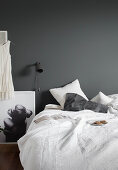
(71, 39)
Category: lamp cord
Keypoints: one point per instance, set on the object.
(36, 82)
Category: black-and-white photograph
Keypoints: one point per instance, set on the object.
(16, 116)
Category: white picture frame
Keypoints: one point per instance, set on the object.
(16, 115)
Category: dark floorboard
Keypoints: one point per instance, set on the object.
(9, 157)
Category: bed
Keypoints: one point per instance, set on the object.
(59, 139)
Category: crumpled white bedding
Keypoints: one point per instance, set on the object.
(62, 140)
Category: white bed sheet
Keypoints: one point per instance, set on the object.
(69, 142)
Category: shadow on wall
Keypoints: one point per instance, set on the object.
(43, 98)
(26, 71)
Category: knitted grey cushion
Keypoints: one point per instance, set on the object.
(75, 102)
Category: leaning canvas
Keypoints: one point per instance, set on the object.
(16, 115)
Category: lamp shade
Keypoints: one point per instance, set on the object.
(38, 68)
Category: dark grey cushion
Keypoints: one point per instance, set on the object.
(96, 107)
(75, 102)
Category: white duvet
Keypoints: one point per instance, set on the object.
(64, 140)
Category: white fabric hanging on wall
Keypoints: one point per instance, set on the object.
(6, 83)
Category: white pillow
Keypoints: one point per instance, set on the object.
(114, 96)
(114, 102)
(111, 110)
(60, 93)
(102, 99)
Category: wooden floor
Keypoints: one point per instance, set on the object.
(9, 157)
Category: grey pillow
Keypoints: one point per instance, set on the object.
(75, 102)
(96, 107)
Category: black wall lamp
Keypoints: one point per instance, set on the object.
(27, 71)
(38, 67)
